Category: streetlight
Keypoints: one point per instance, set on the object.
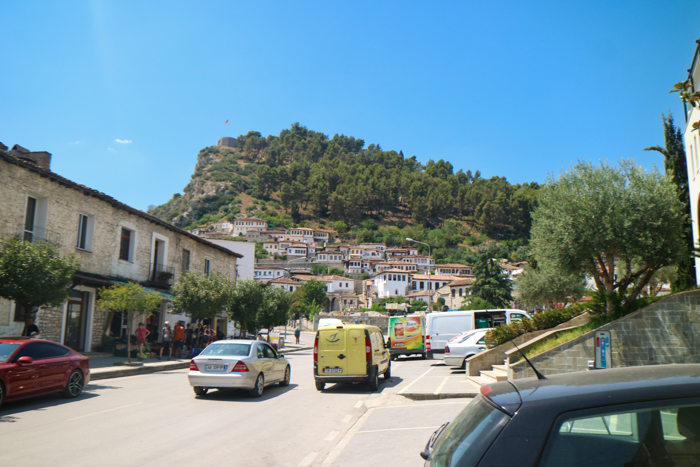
(430, 285)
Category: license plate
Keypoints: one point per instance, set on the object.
(213, 367)
(332, 370)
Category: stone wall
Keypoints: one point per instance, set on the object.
(49, 321)
(667, 331)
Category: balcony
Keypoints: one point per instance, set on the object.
(162, 274)
(34, 234)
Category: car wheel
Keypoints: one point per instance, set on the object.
(287, 376)
(200, 391)
(74, 385)
(374, 380)
(320, 385)
(259, 386)
(387, 373)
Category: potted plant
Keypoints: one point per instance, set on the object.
(164, 276)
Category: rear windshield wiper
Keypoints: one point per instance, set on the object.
(433, 439)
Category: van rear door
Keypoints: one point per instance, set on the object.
(448, 326)
(357, 358)
(332, 354)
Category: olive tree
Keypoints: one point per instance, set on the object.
(618, 224)
(201, 296)
(34, 275)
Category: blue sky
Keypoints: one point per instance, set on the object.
(125, 93)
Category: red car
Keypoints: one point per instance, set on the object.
(34, 367)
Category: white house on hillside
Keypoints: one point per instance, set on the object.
(392, 283)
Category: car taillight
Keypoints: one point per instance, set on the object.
(240, 366)
(447, 349)
(316, 349)
(427, 342)
(485, 389)
(193, 366)
(368, 349)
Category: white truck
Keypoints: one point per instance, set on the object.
(440, 327)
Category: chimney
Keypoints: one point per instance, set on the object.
(41, 158)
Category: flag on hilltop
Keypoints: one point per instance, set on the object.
(226, 121)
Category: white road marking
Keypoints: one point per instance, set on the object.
(359, 404)
(442, 385)
(346, 419)
(416, 380)
(338, 449)
(400, 429)
(306, 461)
(104, 411)
(330, 436)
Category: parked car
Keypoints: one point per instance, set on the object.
(352, 353)
(634, 416)
(34, 367)
(469, 344)
(242, 364)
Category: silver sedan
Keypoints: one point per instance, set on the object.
(242, 364)
(470, 344)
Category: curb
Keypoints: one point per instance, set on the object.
(433, 397)
(119, 371)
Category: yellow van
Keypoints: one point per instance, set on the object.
(350, 354)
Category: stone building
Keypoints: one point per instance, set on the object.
(115, 243)
(228, 142)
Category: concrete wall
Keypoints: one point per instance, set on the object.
(246, 264)
(667, 331)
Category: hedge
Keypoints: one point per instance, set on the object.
(539, 321)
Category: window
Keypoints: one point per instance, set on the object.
(126, 248)
(661, 433)
(185, 260)
(86, 224)
(207, 266)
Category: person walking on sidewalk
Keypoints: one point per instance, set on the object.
(297, 334)
(167, 341)
(141, 335)
(179, 338)
(189, 337)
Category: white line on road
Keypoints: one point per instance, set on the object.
(306, 461)
(346, 419)
(416, 380)
(330, 436)
(442, 385)
(359, 404)
(104, 411)
(338, 449)
(399, 429)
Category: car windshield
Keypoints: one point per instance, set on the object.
(466, 337)
(6, 351)
(467, 438)
(227, 350)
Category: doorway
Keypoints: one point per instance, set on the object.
(76, 320)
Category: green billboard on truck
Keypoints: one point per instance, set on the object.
(407, 335)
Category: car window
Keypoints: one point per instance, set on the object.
(232, 350)
(610, 436)
(53, 350)
(481, 341)
(6, 351)
(261, 352)
(270, 352)
(33, 350)
(467, 437)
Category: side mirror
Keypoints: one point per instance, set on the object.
(279, 355)
(25, 360)
(387, 345)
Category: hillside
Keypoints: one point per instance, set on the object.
(303, 177)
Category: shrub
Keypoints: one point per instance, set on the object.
(539, 321)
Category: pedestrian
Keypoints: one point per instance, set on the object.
(189, 337)
(141, 335)
(32, 329)
(297, 334)
(205, 336)
(179, 338)
(167, 341)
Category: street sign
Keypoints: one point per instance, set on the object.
(603, 350)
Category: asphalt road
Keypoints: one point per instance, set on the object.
(155, 420)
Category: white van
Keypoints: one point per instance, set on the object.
(322, 322)
(440, 327)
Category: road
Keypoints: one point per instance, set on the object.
(155, 420)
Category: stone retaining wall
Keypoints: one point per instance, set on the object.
(664, 332)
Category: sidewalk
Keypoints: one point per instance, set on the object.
(418, 379)
(104, 366)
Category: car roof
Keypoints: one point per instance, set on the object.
(235, 341)
(584, 389)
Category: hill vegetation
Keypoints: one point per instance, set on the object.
(303, 177)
